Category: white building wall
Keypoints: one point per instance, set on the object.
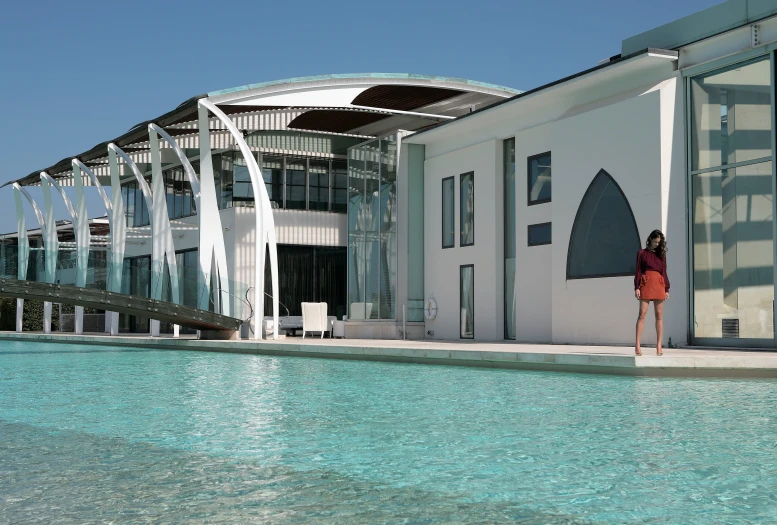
(441, 272)
(638, 138)
(533, 273)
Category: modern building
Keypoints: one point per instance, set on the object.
(298, 133)
(449, 209)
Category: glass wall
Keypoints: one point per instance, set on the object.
(509, 240)
(372, 229)
(317, 184)
(731, 188)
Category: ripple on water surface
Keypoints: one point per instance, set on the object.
(101, 434)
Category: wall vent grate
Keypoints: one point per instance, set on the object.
(730, 328)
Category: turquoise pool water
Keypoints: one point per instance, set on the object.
(109, 435)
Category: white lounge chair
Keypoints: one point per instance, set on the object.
(314, 318)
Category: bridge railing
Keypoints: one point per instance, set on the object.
(139, 277)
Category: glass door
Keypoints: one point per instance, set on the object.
(732, 195)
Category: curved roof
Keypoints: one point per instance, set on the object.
(359, 104)
(376, 78)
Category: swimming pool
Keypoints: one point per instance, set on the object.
(101, 434)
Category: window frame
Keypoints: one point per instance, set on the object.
(461, 196)
(529, 202)
(453, 209)
(528, 234)
(461, 298)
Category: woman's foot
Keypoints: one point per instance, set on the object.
(637, 351)
(659, 351)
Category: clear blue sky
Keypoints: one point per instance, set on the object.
(75, 74)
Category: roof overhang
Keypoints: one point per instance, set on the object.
(616, 76)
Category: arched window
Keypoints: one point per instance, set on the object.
(605, 239)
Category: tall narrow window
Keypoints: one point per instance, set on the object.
(467, 209)
(538, 171)
(467, 301)
(448, 189)
(509, 240)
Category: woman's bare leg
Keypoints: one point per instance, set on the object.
(658, 307)
(643, 309)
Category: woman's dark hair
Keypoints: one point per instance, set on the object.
(661, 248)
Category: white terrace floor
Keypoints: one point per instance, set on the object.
(562, 358)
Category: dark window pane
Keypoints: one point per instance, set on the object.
(539, 178)
(295, 185)
(242, 190)
(272, 172)
(539, 234)
(169, 192)
(604, 239)
(319, 185)
(448, 210)
(339, 186)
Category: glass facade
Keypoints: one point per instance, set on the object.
(372, 229)
(509, 239)
(732, 222)
(315, 184)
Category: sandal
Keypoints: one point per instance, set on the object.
(659, 352)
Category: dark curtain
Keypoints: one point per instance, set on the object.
(308, 274)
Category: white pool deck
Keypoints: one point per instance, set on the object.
(619, 360)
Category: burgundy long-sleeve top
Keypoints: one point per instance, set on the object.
(648, 260)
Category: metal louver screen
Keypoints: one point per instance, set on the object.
(730, 327)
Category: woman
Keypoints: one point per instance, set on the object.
(651, 284)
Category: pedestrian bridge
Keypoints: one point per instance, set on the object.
(121, 303)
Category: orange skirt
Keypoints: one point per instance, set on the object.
(651, 286)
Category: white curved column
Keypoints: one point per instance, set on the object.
(81, 232)
(265, 224)
(118, 230)
(211, 233)
(23, 246)
(78, 168)
(50, 246)
(162, 245)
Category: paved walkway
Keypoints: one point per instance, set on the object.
(561, 358)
